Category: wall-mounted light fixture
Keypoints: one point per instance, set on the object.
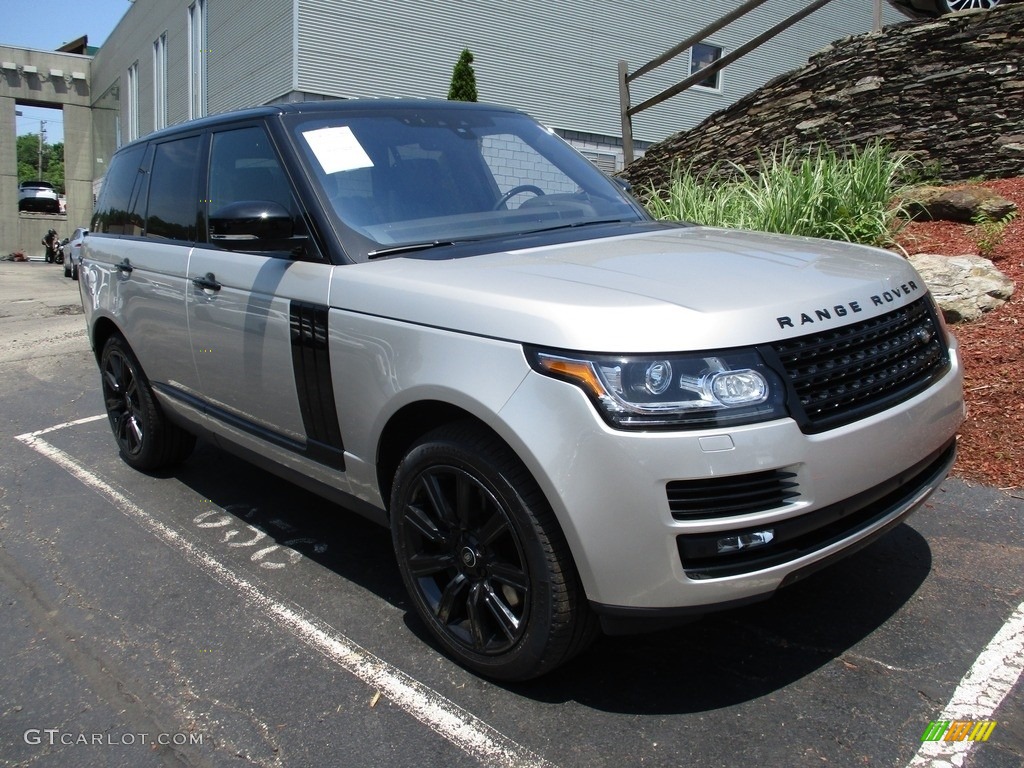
(78, 75)
(9, 66)
(56, 73)
(28, 69)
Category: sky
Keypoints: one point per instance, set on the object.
(47, 25)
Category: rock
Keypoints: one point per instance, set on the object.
(964, 287)
(964, 205)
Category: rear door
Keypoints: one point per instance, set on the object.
(146, 230)
(258, 319)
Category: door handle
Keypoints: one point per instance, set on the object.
(207, 282)
(124, 267)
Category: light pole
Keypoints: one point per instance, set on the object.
(42, 142)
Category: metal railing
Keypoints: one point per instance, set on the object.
(627, 111)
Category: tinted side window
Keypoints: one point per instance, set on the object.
(173, 203)
(112, 207)
(243, 166)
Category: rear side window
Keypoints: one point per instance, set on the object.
(112, 208)
(173, 202)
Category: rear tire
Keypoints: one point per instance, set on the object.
(146, 439)
(483, 557)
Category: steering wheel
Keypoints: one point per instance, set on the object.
(515, 191)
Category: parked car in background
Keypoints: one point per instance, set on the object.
(73, 253)
(441, 316)
(924, 8)
(39, 196)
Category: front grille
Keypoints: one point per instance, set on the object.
(727, 496)
(842, 375)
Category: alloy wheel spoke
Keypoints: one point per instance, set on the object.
(135, 430)
(439, 500)
(422, 565)
(467, 501)
(476, 619)
(500, 611)
(493, 529)
(450, 597)
(510, 575)
(421, 522)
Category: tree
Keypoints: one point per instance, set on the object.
(463, 87)
(52, 161)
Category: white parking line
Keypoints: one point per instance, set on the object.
(980, 693)
(448, 719)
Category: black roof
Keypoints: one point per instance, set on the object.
(351, 106)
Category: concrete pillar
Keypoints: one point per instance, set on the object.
(8, 177)
(78, 163)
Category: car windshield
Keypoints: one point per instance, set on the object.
(409, 178)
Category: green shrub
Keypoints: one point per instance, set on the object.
(815, 193)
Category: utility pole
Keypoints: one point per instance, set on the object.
(42, 139)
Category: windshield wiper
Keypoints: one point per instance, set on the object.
(409, 247)
(574, 225)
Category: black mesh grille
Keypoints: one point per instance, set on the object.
(845, 374)
(728, 496)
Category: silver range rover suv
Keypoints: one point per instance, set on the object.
(571, 416)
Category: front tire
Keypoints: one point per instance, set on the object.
(146, 439)
(483, 558)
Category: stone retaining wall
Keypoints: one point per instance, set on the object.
(950, 91)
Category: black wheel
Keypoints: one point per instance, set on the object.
(67, 268)
(483, 557)
(74, 271)
(503, 200)
(146, 438)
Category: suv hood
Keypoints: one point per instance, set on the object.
(671, 290)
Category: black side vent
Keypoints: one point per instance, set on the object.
(728, 496)
(312, 361)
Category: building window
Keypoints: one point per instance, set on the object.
(132, 102)
(197, 59)
(702, 56)
(160, 82)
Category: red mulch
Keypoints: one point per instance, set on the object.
(992, 439)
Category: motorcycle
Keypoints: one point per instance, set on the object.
(58, 256)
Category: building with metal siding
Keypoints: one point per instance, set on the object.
(556, 60)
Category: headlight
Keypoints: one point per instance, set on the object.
(697, 390)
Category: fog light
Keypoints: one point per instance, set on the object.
(745, 541)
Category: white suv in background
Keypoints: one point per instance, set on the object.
(38, 196)
(569, 414)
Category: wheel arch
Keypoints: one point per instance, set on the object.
(102, 329)
(405, 427)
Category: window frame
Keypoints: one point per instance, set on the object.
(716, 77)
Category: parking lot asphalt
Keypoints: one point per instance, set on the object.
(216, 615)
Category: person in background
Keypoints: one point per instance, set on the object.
(50, 240)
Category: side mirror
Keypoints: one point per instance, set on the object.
(626, 186)
(254, 225)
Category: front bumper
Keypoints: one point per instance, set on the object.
(637, 554)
